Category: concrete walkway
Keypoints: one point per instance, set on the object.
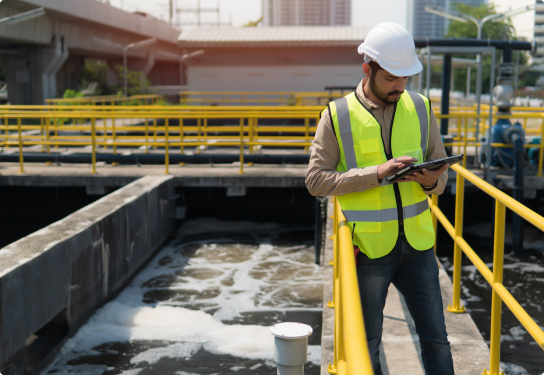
(400, 351)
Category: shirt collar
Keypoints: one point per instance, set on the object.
(361, 94)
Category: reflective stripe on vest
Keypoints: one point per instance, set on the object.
(380, 216)
(344, 123)
(421, 111)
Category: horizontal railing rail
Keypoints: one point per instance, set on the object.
(107, 99)
(495, 279)
(462, 124)
(351, 355)
(109, 132)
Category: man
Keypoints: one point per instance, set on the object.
(362, 138)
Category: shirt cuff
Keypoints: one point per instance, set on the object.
(372, 181)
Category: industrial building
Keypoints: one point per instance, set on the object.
(307, 12)
(273, 58)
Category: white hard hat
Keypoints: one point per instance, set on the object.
(393, 48)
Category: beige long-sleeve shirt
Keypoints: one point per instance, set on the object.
(323, 179)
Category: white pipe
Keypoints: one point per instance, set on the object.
(291, 347)
(49, 83)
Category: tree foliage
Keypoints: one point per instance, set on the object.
(94, 71)
(497, 30)
(137, 82)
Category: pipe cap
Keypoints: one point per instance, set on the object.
(289, 330)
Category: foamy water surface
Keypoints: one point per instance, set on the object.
(204, 305)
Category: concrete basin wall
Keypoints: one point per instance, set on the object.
(71, 267)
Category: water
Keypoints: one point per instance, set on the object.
(524, 279)
(204, 305)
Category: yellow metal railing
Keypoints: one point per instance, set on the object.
(104, 130)
(107, 99)
(351, 354)
(462, 124)
(500, 293)
(280, 98)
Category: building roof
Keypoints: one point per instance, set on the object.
(277, 36)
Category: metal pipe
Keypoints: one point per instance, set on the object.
(487, 175)
(445, 105)
(154, 159)
(500, 44)
(468, 85)
(429, 69)
(517, 221)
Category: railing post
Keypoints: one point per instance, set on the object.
(197, 151)
(541, 153)
(146, 137)
(166, 157)
(6, 122)
(496, 302)
(47, 137)
(21, 158)
(455, 306)
(241, 146)
(434, 203)
(306, 133)
(93, 144)
(181, 148)
(113, 135)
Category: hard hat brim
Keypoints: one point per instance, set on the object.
(413, 70)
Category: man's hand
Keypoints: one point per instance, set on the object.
(395, 165)
(425, 177)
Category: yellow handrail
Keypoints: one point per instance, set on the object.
(462, 124)
(351, 356)
(500, 293)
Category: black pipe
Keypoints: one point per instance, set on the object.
(507, 55)
(446, 84)
(157, 159)
(517, 221)
(320, 227)
(500, 44)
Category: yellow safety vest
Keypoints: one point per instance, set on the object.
(373, 214)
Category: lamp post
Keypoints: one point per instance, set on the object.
(21, 17)
(462, 17)
(111, 44)
(181, 58)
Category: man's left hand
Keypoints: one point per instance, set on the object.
(425, 177)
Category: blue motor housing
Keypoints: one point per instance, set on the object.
(533, 151)
(498, 136)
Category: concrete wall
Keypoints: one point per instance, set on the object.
(272, 78)
(76, 264)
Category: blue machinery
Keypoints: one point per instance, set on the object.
(503, 131)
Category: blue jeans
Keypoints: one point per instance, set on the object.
(415, 274)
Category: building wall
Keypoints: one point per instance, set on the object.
(538, 35)
(272, 78)
(307, 12)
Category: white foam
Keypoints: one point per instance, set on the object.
(260, 278)
(179, 350)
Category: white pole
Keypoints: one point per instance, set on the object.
(468, 85)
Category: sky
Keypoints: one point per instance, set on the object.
(364, 13)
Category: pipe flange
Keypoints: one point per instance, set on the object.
(509, 132)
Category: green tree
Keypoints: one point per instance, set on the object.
(498, 30)
(94, 71)
(137, 82)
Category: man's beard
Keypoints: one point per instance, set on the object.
(381, 95)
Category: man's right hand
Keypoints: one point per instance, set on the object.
(395, 165)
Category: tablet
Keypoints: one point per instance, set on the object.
(429, 165)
